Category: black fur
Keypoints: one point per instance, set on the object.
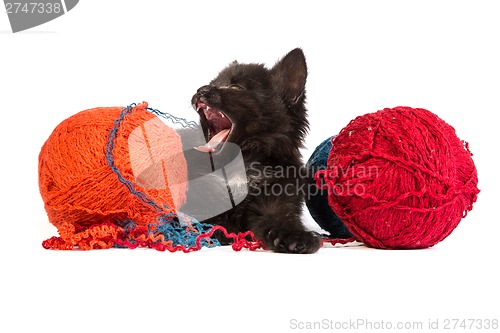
(266, 108)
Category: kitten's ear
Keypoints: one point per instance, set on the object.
(291, 73)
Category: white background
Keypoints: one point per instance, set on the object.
(362, 56)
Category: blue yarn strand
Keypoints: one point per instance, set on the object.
(172, 226)
(176, 120)
(110, 146)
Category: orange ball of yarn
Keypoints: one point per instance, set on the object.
(78, 184)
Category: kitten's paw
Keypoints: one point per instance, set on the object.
(296, 241)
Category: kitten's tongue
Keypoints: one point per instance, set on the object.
(214, 142)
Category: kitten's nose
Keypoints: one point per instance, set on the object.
(207, 94)
(205, 89)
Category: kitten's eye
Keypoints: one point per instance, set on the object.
(235, 87)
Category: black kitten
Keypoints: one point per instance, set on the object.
(262, 112)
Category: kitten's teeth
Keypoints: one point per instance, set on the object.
(208, 107)
(222, 115)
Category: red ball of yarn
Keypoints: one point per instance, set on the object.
(400, 178)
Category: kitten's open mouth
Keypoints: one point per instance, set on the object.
(218, 127)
